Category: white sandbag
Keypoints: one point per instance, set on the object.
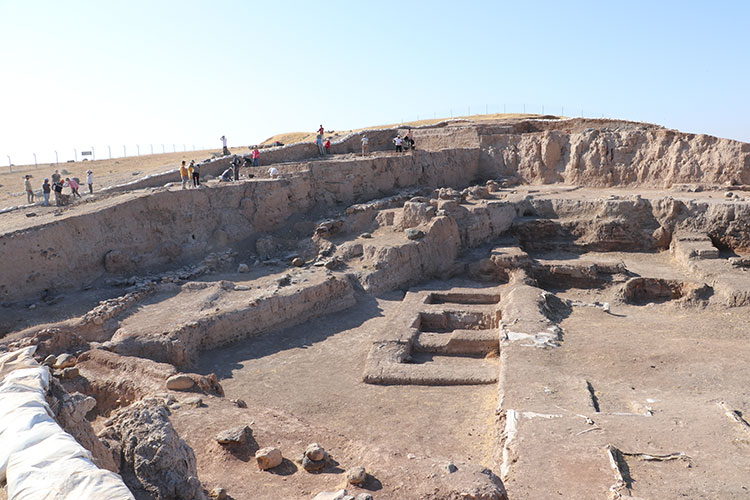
(38, 460)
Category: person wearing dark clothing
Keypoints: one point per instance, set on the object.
(46, 190)
(236, 167)
(196, 174)
(58, 187)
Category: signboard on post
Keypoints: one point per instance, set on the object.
(86, 153)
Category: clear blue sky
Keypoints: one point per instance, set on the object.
(79, 73)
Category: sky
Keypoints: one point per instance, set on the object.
(119, 75)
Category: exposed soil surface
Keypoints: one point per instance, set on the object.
(519, 309)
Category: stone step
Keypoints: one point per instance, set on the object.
(458, 342)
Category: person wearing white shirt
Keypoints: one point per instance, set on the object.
(365, 145)
(398, 141)
(90, 181)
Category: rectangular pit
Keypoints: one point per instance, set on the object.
(463, 298)
(448, 321)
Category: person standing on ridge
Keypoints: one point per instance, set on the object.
(321, 131)
(328, 146)
(256, 157)
(236, 167)
(46, 190)
(184, 175)
(319, 142)
(90, 181)
(57, 186)
(397, 141)
(365, 146)
(196, 174)
(56, 177)
(29, 191)
(224, 150)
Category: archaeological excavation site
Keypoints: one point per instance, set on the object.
(518, 309)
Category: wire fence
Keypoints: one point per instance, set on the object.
(92, 153)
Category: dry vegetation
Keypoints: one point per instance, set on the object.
(293, 137)
(106, 172)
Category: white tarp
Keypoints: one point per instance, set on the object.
(38, 460)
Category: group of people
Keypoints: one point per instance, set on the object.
(324, 147)
(404, 143)
(57, 186)
(233, 172)
(191, 172)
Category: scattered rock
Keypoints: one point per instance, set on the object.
(728, 194)
(363, 496)
(239, 403)
(315, 452)
(243, 268)
(31, 214)
(49, 360)
(365, 235)
(64, 360)
(356, 475)
(227, 285)
(331, 495)
(450, 468)
(268, 458)
(236, 436)
(298, 262)
(180, 382)
(69, 373)
(414, 234)
(313, 465)
(194, 401)
(218, 493)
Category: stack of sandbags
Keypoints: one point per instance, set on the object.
(38, 460)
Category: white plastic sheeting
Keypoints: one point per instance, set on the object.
(38, 460)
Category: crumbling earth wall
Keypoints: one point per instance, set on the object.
(162, 227)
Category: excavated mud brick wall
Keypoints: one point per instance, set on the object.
(168, 227)
(379, 140)
(164, 227)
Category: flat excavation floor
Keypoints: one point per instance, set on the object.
(303, 385)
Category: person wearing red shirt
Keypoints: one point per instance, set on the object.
(328, 146)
